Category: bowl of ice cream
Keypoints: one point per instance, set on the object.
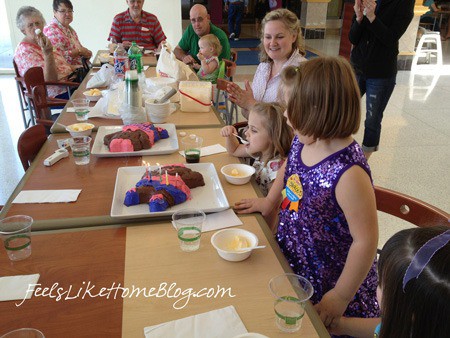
(80, 129)
(93, 95)
(237, 173)
(232, 244)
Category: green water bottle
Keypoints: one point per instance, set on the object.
(135, 56)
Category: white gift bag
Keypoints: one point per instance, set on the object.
(169, 66)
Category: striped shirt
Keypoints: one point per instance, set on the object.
(147, 32)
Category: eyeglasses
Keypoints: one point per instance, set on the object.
(35, 24)
(64, 12)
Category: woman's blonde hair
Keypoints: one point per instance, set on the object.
(324, 98)
(292, 24)
(212, 41)
(276, 123)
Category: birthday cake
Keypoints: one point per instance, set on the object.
(135, 137)
(163, 188)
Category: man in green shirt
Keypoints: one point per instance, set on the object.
(201, 25)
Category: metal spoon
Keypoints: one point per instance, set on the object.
(251, 248)
(242, 140)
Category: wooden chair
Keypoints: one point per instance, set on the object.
(30, 142)
(23, 100)
(409, 208)
(34, 77)
(221, 103)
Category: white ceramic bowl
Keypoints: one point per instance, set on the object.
(244, 173)
(80, 129)
(222, 239)
(92, 98)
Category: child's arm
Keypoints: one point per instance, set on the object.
(356, 197)
(231, 142)
(207, 68)
(355, 327)
(266, 204)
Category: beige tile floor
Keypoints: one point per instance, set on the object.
(415, 145)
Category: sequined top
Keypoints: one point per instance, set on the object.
(316, 238)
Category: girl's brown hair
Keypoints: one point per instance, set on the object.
(212, 41)
(279, 132)
(292, 24)
(324, 100)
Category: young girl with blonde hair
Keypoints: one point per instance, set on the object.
(209, 51)
(269, 139)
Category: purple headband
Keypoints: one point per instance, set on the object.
(424, 255)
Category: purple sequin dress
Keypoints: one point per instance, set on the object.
(316, 239)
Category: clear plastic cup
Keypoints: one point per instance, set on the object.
(189, 223)
(291, 293)
(16, 235)
(81, 107)
(81, 149)
(192, 145)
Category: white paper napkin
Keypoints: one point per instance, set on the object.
(210, 150)
(101, 110)
(219, 220)
(225, 323)
(17, 287)
(47, 196)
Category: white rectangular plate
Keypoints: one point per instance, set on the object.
(162, 147)
(209, 198)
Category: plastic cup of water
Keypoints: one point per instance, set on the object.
(189, 223)
(81, 149)
(291, 294)
(81, 107)
(16, 235)
(192, 145)
(24, 333)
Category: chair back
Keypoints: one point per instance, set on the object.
(34, 76)
(410, 209)
(29, 144)
(21, 90)
(41, 105)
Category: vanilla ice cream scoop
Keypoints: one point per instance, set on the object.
(238, 243)
(37, 31)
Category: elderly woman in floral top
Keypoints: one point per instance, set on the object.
(281, 46)
(63, 36)
(36, 50)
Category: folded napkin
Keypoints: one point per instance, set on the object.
(224, 323)
(47, 196)
(210, 150)
(101, 110)
(219, 220)
(16, 287)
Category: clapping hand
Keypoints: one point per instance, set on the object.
(242, 97)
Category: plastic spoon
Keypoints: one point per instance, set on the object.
(251, 248)
(169, 94)
(242, 140)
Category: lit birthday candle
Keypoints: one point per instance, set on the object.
(149, 170)
(176, 180)
(160, 176)
(146, 168)
(167, 178)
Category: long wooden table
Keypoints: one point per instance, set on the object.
(97, 181)
(179, 118)
(144, 256)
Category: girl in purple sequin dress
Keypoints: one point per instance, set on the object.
(328, 228)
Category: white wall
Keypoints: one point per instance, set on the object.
(93, 18)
